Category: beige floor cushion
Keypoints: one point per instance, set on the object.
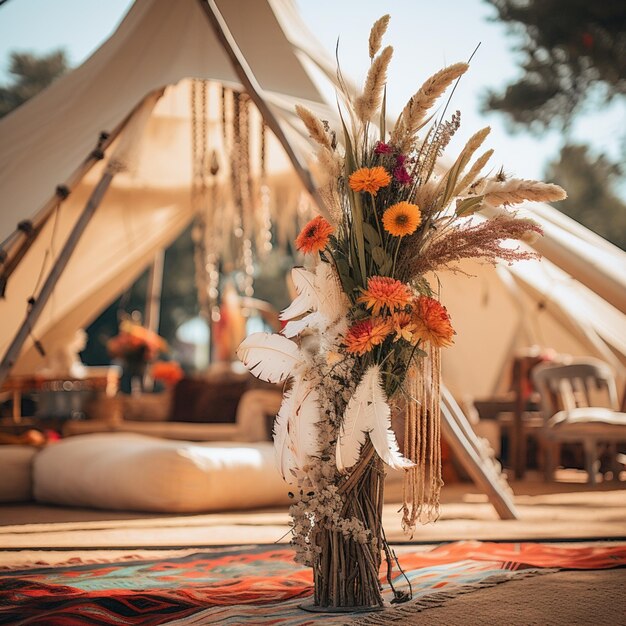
(134, 472)
(16, 473)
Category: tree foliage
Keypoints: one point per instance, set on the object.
(590, 182)
(570, 50)
(31, 74)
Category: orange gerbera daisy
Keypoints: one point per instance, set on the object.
(369, 179)
(314, 236)
(403, 326)
(383, 291)
(402, 219)
(432, 322)
(363, 336)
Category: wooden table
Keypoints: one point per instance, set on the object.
(100, 379)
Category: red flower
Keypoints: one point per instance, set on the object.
(364, 335)
(382, 148)
(432, 322)
(314, 236)
(401, 176)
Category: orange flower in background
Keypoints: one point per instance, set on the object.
(383, 291)
(136, 342)
(432, 322)
(363, 336)
(402, 219)
(404, 327)
(369, 179)
(314, 236)
(169, 372)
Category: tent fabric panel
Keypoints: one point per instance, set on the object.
(157, 44)
(132, 227)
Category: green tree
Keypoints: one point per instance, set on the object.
(572, 52)
(31, 74)
(592, 200)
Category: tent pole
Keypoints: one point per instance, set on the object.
(255, 91)
(152, 313)
(153, 295)
(55, 273)
(16, 246)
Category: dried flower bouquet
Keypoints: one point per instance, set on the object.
(366, 328)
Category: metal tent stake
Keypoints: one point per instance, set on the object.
(55, 273)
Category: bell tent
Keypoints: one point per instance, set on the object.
(112, 161)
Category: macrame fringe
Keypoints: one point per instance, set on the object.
(422, 442)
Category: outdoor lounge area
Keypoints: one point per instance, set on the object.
(283, 338)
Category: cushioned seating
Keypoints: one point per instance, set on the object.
(16, 465)
(133, 472)
(169, 430)
(251, 422)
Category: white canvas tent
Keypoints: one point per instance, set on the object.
(573, 301)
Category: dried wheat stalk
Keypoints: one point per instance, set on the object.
(368, 103)
(414, 113)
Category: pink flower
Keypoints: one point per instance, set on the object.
(382, 148)
(401, 175)
(400, 159)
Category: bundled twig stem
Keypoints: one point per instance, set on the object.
(346, 571)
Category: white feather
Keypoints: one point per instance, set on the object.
(331, 335)
(332, 302)
(368, 412)
(270, 357)
(302, 431)
(304, 282)
(295, 327)
(283, 455)
(295, 436)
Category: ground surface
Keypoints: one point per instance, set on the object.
(561, 510)
(565, 511)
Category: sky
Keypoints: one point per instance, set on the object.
(426, 36)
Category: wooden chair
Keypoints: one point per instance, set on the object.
(572, 412)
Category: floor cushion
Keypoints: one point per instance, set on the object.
(16, 473)
(133, 472)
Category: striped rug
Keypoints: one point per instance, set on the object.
(263, 585)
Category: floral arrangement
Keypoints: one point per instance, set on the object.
(363, 336)
(168, 372)
(136, 344)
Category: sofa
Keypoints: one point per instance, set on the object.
(203, 446)
(223, 405)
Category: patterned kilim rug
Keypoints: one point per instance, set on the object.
(260, 585)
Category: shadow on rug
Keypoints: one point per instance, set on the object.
(260, 585)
